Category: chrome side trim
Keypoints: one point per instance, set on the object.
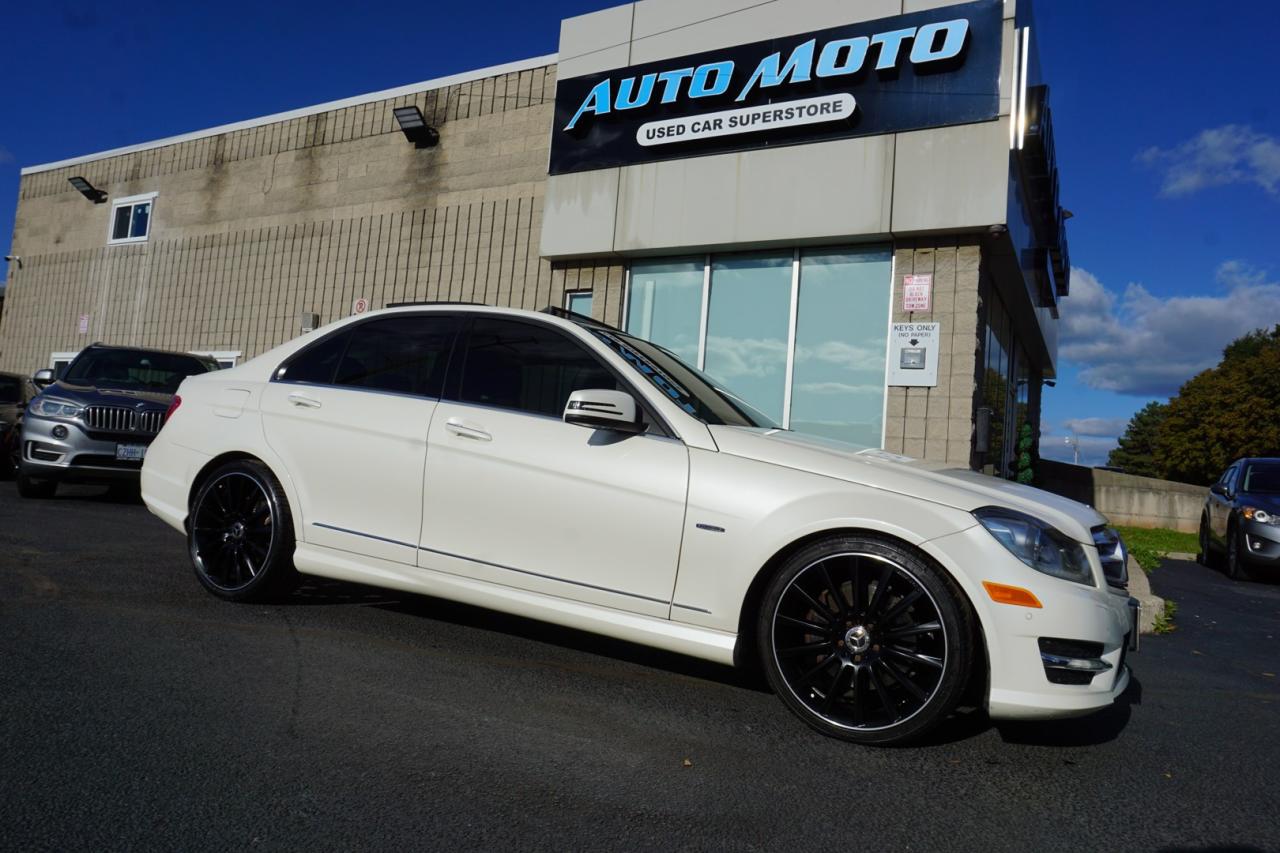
(545, 577)
(364, 535)
(690, 607)
(1074, 664)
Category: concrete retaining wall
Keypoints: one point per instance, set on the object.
(1125, 498)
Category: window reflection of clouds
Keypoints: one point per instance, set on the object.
(842, 320)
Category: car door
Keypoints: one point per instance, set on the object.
(516, 496)
(349, 418)
(1220, 503)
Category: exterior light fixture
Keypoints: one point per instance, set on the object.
(87, 190)
(415, 127)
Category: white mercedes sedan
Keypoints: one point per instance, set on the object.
(552, 467)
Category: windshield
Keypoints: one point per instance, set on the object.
(133, 370)
(691, 389)
(1261, 478)
(10, 389)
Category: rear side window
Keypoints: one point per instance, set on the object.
(529, 368)
(405, 355)
(318, 363)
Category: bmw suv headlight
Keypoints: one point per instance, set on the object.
(51, 407)
(1037, 544)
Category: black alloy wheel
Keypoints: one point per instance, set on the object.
(240, 533)
(866, 640)
(1236, 568)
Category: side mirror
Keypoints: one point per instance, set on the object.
(43, 378)
(601, 409)
(1219, 490)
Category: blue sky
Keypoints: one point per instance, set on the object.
(1165, 114)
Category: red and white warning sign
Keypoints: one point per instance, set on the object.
(360, 306)
(917, 292)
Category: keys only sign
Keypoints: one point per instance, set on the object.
(925, 69)
(913, 354)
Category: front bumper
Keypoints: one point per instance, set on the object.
(78, 457)
(1261, 545)
(1075, 616)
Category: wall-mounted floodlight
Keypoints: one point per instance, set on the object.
(87, 190)
(415, 127)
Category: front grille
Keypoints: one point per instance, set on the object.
(120, 419)
(1113, 555)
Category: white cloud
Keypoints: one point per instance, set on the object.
(728, 358)
(839, 388)
(1105, 427)
(1231, 154)
(1144, 345)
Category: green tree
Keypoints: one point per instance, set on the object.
(1135, 452)
(1224, 413)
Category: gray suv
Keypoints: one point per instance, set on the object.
(94, 423)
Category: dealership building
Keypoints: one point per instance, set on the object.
(847, 212)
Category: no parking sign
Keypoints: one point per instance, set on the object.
(360, 306)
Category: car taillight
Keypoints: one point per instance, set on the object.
(173, 407)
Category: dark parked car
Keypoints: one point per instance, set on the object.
(16, 391)
(93, 425)
(1241, 517)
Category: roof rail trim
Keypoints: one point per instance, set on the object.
(328, 106)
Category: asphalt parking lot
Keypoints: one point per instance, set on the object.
(136, 711)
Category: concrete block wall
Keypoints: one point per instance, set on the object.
(252, 228)
(937, 423)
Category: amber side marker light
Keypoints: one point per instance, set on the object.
(1002, 594)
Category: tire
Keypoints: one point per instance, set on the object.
(824, 655)
(1237, 569)
(240, 533)
(29, 487)
(1205, 557)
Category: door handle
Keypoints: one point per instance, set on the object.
(303, 401)
(462, 430)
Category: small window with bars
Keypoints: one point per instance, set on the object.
(131, 219)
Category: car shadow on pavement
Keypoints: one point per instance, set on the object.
(318, 591)
(122, 494)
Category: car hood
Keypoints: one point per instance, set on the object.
(89, 396)
(954, 487)
(1260, 500)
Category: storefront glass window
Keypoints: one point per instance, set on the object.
(838, 386)
(748, 321)
(841, 304)
(665, 304)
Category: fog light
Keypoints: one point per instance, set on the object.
(59, 432)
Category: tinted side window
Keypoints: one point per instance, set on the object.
(407, 355)
(318, 363)
(515, 365)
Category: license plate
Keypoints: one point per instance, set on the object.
(131, 452)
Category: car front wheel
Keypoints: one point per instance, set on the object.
(1205, 557)
(865, 640)
(240, 535)
(1237, 570)
(29, 487)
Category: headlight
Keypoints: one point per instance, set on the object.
(1037, 544)
(50, 407)
(1260, 515)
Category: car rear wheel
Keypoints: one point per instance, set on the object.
(1237, 569)
(29, 487)
(865, 640)
(240, 535)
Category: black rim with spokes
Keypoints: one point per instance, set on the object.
(859, 641)
(232, 531)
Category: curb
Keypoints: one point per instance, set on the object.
(1140, 588)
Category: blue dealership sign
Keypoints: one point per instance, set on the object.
(925, 69)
